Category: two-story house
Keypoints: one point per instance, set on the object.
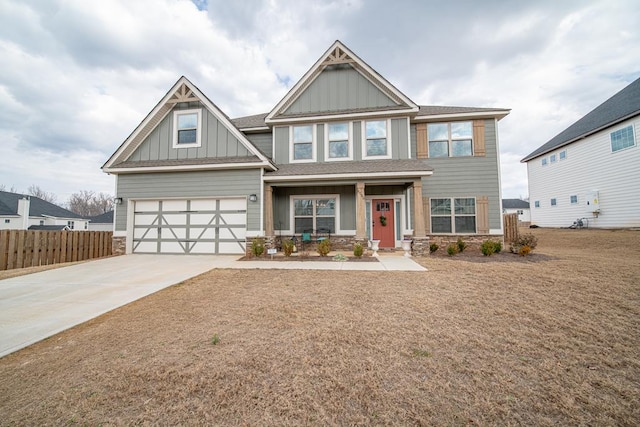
(589, 171)
(343, 153)
(25, 212)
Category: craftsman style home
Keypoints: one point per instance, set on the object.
(589, 171)
(344, 155)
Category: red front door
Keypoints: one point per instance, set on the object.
(383, 222)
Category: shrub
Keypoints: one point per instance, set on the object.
(340, 257)
(490, 247)
(528, 240)
(257, 246)
(433, 247)
(324, 247)
(358, 250)
(452, 249)
(287, 247)
(524, 250)
(462, 245)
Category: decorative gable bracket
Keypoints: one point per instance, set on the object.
(338, 56)
(182, 94)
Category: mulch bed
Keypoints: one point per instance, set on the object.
(306, 259)
(476, 256)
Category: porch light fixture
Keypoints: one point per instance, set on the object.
(253, 198)
(117, 200)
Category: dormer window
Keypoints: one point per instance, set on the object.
(376, 142)
(186, 130)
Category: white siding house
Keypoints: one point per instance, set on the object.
(519, 207)
(23, 212)
(591, 170)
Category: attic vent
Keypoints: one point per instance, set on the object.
(182, 94)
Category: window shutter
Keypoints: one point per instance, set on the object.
(482, 214)
(478, 138)
(426, 212)
(422, 146)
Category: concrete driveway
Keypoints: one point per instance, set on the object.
(39, 305)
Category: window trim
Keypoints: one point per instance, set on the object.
(633, 138)
(560, 156)
(449, 140)
(327, 158)
(363, 125)
(314, 139)
(198, 113)
(453, 215)
(292, 212)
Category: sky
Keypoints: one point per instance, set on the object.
(77, 76)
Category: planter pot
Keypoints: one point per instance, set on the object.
(406, 247)
(374, 247)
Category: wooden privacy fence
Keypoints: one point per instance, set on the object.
(510, 227)
(24, 248)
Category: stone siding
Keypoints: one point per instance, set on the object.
(119, 245)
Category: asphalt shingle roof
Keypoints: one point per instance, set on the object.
(48, 227)
(105, 218)
(38, 207)
(619, 107)
(514, 204)
(182, 162)
(358, 167)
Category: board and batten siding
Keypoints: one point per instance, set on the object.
(339, 88)
(398, 133)
(590, 165)
(216, 139)
(185, 185)
(476, 176)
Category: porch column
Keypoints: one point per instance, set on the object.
(268, 210)
(360, 211)
(418, 211)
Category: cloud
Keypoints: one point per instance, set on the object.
(77, 79)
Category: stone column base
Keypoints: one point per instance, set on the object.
(420, 246)
(118, 245)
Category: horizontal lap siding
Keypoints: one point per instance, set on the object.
(590, 165)
(201, 184)
(469, 177)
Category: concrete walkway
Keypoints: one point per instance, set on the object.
(36, 306)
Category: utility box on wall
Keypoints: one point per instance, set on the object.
(593, 202)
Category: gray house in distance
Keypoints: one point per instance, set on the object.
(344, 154)
(24, 212)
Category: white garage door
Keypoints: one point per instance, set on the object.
(199, 226)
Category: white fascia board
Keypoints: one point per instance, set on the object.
(348, 176)
(488, 114)
(191, 168)
(324, 118)
(256, 129)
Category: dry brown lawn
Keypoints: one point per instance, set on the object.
(546, 340)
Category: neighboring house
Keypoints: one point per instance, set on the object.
(517, 206)
(24, 212)
(341, 150)
(591, 169)
(102, 222)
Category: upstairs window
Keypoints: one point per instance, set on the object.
(536, 203)
(563, 154)
(187, 126)
(574, 199)
(376, 139)
(302, 143)
(554, 202)
(450, 139)
(71, 225)
(553, 158)
(544, 161)
(338, 137)
(622, 138)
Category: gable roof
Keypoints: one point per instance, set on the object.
(105, 218)
(37, 207)
(514, 204)
(48, 227)
(621, 106)
(336, 55)
(182, 91)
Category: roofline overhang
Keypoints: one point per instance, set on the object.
(354, 176)
(254, 129)
(225, 166)
(341, 116)
(581, 137)
(497, 114)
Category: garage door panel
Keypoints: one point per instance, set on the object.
(205, 226)
(174, 205)
(147, 206)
